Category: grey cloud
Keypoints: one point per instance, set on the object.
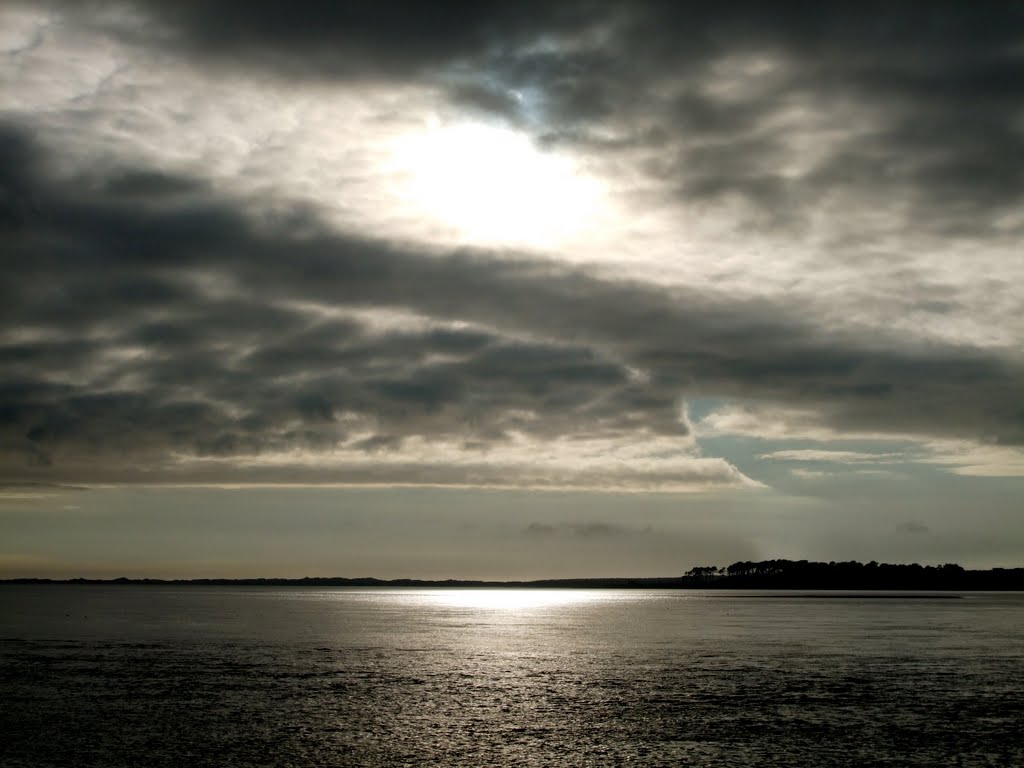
(488, 99)
(915, 527)
(393, 38)
(151, 362)
(136, 329)
(583, 530)
(149, 185)
(212, 465)
(919, 102)
(837, 457)
(378, 443)
(29, 486)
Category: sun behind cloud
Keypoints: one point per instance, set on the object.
(492, 186)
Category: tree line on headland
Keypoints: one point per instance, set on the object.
(766, 574)
(805, 574)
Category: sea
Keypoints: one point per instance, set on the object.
(148, 676)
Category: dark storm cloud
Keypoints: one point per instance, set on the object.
(139, 328)
(926, 95)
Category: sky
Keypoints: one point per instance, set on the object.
(508, 290)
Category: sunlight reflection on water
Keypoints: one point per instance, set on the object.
(503, 599)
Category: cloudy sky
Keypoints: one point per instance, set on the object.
(508, 290)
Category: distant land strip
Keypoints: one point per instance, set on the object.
(767, 574)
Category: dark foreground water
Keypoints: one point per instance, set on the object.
(205, 676)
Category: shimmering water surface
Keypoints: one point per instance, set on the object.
(210, 676)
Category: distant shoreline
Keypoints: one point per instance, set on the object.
(766, 574)
(586, 583)
(874, 593)
(981, 581)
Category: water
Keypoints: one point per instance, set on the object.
(208, 676)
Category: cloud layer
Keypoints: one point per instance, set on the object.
(807, 217)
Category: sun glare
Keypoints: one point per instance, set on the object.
(493, 186)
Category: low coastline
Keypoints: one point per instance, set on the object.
(766, 575)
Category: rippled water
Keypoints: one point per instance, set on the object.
(204, 676)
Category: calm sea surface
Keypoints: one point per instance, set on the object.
(209, 676)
